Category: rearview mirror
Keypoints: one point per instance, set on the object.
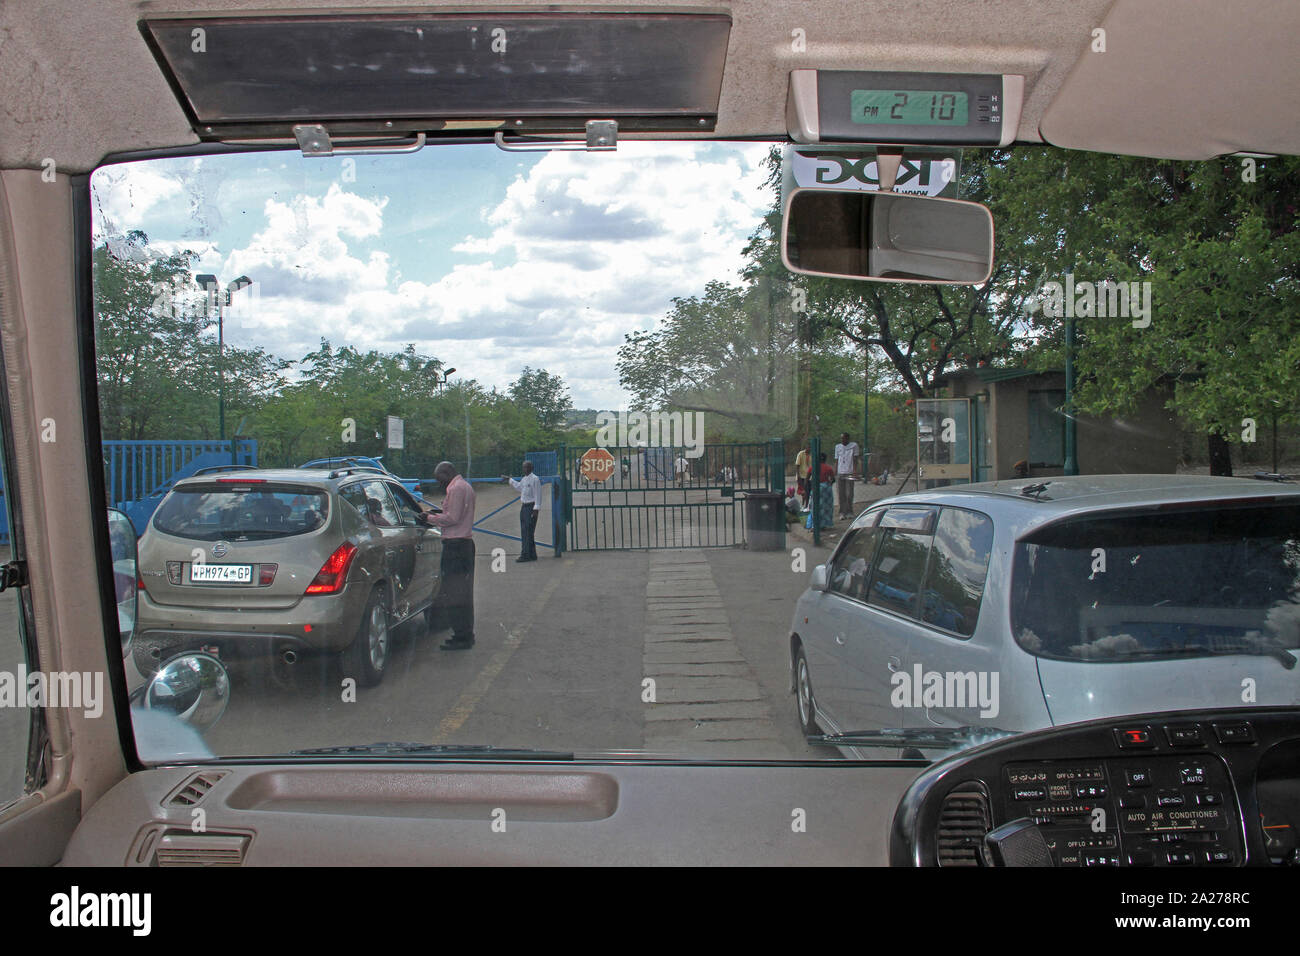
(819, 576)
(887, 237)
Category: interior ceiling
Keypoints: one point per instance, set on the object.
(1180, 78)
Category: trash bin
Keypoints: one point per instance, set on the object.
(765, 520)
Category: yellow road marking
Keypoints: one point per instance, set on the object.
(470, 698)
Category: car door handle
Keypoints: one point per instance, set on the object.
(894, 664)
(839, 639)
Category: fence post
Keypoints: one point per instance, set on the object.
(776, 465)
(815, 476)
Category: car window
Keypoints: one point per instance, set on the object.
(900, 564)
(1171, 585)
(235, 510)
(407, 509)
(372, 502)
(959, 562)
(853, 563)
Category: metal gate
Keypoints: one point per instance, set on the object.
(664, 498)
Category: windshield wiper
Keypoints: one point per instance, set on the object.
(922, 738)
(436, 750)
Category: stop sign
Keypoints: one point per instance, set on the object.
(597, 464)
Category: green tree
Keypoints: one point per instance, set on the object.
(156, 348)
(545, 394)
(1222, 256)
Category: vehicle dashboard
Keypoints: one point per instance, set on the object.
(1209, 788)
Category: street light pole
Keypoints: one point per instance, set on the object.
(213, 287)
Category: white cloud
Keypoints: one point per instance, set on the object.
(590, 246)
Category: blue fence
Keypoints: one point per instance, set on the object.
(138, 473)
(546, 464)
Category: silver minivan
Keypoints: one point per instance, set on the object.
(972, 610)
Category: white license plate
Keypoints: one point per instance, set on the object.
(221, 574)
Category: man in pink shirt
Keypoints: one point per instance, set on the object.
(457, 523)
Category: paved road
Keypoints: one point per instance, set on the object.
(565, 647)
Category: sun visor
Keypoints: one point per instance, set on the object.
(261, 76)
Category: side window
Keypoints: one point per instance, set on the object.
(905, 536)
(406, 508)
(853, 561)
(354, 495)
(16, 654)
(959, 564)
(379, 506)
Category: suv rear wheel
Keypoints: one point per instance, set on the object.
(367, 658)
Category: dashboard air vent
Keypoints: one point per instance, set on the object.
(194, 790)
(963, 821)
(181, 848)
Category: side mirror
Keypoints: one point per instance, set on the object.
(887, 237)
(192, 687)
(819, 578)
(123, 546)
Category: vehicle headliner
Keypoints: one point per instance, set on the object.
(79, 83)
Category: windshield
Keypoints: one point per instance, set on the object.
(610, 479)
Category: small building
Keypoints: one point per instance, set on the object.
(1016, 416)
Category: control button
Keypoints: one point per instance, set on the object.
(1028, 793)
(1137, 778)
(1239, 733)
(1193, 775)
(1170, 798)
(1094, 791)
(1218, 857)
(1209, 799)
(1186, 736)
(1101, 859)
(1134, 738)
(1133, 801)
(1179, 858)
(1141, 858)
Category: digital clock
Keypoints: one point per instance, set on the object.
(849, 106)
(910, 107)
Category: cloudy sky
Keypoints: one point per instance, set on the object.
(485, 259)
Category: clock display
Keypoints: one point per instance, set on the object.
(909, 107)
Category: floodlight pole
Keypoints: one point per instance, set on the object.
(1071, 458)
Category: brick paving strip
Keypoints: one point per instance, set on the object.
(708, 702)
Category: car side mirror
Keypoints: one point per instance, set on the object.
(123, 547)
(819, 578)
(195, 688)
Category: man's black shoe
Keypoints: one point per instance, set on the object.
(457, 644)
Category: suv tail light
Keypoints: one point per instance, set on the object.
(332, 574)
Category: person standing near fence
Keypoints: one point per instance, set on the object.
(803, 474)
(457, 523)
(530, 505)
(847, 454)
